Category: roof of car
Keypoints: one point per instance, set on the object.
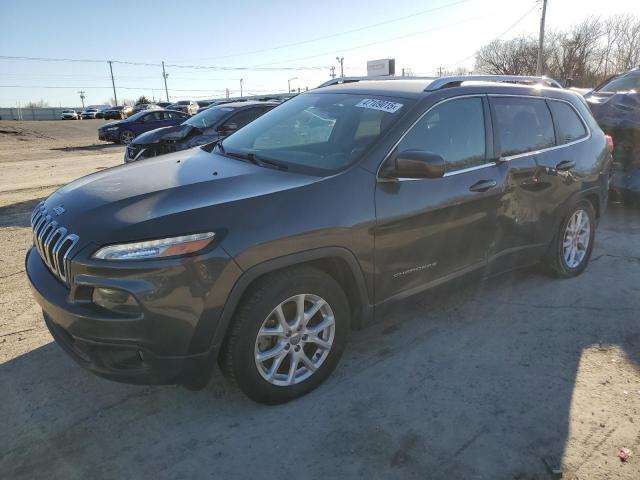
(248, 103)
(419, 86)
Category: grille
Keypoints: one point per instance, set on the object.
(53, 242)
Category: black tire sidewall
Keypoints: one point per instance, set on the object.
(122, 134)
(561, 267)
(251, 317)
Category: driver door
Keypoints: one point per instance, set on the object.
(431, 230)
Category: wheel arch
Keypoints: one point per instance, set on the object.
(340, 263)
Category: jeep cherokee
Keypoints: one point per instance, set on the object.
(263, 251)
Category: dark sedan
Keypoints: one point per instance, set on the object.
(126, 130)
(113, 113)
(207, 126)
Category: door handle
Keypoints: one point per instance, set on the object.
(565, 165)
(483, 185)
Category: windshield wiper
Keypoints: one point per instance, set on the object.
(257, 160)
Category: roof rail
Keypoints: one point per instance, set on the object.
(338, 80)
(455, 81)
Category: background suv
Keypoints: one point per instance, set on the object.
(264, 250)
(616, 106)
(207, 126)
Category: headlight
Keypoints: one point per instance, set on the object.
(111, 129)
(164, 247)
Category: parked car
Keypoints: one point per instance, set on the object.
(186, 106)
(100, 113)
(616, 106)
(163, 104)
(126, 130)
(69, 115)
(114, 113)
(262, 251)
(210, 125)
(88, 113)
(144, 106)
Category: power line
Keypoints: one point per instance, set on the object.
(511, 27)
(338, 34)
(146, 64)
(428, 30)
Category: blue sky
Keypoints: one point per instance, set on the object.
(420, 35)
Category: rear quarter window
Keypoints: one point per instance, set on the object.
(522, 125)
(569, 126)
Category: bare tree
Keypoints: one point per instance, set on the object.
(512, 57)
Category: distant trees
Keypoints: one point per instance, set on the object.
(587, 53)
(142, 100)
(38, 104)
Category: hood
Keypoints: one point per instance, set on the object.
(113, 124)
(173, 194)
(166, 134)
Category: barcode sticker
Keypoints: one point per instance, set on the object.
(385, 106)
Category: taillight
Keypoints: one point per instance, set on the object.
(609, 143)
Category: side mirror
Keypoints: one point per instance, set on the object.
(418, 164)
(227, 128)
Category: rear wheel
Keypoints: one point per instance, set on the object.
(126, 137)
(572, 246)
(287, 336)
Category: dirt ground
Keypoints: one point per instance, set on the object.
(511, 378)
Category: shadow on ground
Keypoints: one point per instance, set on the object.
(473, 383)
(90, 148)
(18, 214)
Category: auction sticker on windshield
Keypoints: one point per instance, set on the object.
(385, 106)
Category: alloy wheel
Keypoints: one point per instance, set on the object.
(576, 239)
(294, 340)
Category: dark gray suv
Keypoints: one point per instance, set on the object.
(263, 251)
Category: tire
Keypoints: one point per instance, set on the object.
(559, 259)
(126, 137)
(258, 310)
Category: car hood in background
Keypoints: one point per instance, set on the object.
(166, 134)
(615, 110)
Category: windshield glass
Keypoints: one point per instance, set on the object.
(136, 116)
(208, 118)
(622, 84)
(319, 132)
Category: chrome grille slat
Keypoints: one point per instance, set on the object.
(53, 242)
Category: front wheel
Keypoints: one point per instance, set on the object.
(126, 137)
(571, 249)
(287, 336)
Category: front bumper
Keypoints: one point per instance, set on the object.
(164, 344)
(108, 136)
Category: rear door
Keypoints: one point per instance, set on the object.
(429, 230)
(523, 131)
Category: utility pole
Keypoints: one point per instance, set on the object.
(541, 39)
(113, 83)
(439, 71)
(241, 88)
(332, 69)
(341, 60)
(164, 76)
(82, 97)
(289, 84)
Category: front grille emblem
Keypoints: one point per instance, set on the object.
(59, 210)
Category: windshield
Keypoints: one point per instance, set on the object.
(208, 118)
(136, 116)
(622, 84)
(318, 132)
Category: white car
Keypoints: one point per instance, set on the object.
(69, 115)
(89, 113)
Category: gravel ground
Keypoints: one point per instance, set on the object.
(505, 379)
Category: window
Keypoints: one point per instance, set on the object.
(523, 124)
(316, 132)
(454, 130)
(569, 127)
(244, 117)
(622, 84)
